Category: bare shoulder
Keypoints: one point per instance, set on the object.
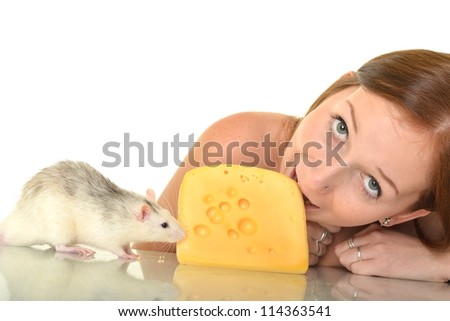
(251, 126)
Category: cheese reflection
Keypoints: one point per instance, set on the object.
(216, 284)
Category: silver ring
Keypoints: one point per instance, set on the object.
(358, 254)
(323, 236)
(318, 248)
(350, 242)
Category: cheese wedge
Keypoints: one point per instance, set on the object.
(242, 218)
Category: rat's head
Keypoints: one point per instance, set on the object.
(156, 224)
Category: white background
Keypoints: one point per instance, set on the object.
(77, 74)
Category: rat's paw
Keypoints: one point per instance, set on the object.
(75, 250)
(73, 256)
(127, 254)
(129, 257)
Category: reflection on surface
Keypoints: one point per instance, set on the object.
(206, 283)
(325, 283)
(37, 274)
(34, 274)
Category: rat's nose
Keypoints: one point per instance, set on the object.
(179, 235)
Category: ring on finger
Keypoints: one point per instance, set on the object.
(324, 235)
(318, 249)
(350, 242)
(358, 254)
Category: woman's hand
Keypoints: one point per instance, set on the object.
(318, 239)
(381, 251)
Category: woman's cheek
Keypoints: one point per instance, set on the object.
(346, 207)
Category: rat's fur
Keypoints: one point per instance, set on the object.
(72, 203)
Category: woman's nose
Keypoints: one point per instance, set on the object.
(326, 177)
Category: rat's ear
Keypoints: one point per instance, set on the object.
(348, 74)
(144, 212)
(150, 195)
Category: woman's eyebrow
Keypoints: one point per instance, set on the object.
(387, 179)
(352, 113)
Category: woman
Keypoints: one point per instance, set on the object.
(375, 146)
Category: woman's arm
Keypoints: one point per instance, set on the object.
(391, 253)
(394, 252)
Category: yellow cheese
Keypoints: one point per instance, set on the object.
(242, 218)
(200, 283)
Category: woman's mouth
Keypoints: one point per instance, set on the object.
(308, 204)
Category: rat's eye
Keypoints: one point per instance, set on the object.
(165, 225)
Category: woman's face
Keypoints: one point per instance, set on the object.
(357, 161)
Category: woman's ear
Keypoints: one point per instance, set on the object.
(401, 218)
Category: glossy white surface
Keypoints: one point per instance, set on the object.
(41, 274)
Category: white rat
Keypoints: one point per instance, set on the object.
(72, 203)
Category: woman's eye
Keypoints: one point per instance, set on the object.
(339, 128)
(372, 187)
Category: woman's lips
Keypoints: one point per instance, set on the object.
(308, 204)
